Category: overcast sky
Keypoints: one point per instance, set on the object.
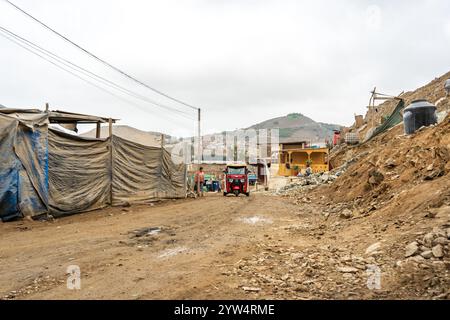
(241, 61)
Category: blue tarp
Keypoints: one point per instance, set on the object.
(23, 168)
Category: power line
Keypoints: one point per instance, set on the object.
(91, 74)
(24, 46)
(101, 60)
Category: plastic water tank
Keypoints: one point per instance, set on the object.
(419, 113)
(447, 86)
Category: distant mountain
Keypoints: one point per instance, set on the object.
(298, 127)
(293, 127)
(146, 138)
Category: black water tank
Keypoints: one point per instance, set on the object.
(419, 113)
(447, 85)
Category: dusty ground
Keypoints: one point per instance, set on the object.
(214, 248)
(199, 239)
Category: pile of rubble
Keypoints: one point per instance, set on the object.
(433, 245)
(316, 179)
(297, 183)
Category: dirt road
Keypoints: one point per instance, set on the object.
(182, 261)
(211, 248)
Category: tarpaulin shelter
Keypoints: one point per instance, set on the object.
(394, 118)
(43, 170)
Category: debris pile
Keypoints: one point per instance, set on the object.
(433, 245)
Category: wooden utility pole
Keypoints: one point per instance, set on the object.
(111, 161)
(199, 150)
(97, 131)
(47, 107)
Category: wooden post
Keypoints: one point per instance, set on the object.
(162, 140)
(111, 162)
(199, 156)
(110, 128)
(46, 107)
(97, 132)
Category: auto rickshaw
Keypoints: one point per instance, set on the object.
(236, 180)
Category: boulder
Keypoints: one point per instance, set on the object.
(411, 249)
(428, 240)
(346, 214)
(427, 254)
(373, 249)
(438, 251)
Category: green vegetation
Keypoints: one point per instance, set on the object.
(287, 132)
(293, 116)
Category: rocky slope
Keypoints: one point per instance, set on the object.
(389, 209)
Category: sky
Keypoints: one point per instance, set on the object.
(241, 62)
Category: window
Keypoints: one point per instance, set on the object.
(236, 170)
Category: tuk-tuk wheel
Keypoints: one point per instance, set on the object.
(225, 194)
(248, 194)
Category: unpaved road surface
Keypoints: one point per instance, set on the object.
(258, 247)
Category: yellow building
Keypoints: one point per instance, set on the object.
(294, 157)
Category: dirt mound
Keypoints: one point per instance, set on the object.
(391, 205)
(394, 162)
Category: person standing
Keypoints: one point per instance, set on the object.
(199, 180)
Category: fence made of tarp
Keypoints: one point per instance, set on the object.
(394, 119)
(47, 171)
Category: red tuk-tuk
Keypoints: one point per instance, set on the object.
(236, 180)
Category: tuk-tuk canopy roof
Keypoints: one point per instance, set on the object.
(237, 165)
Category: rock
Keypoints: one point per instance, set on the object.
(251, 289)
(346, 214)
(440, 240)
(430, 167)
(417, 259)
(375, 177)
(428, 240)
(325, 178)
(390, 163)
(448, 233)
(438, 251)
(411, 249)
(347, 269)
(373, 249)
(427, 254)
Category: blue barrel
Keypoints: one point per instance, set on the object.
(418, 114)
(215, 186)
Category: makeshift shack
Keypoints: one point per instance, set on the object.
(43, 170)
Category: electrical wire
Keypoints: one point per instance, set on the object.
(10, 38)
(91, 74)
(99, 59)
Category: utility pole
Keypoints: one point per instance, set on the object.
(199, 150)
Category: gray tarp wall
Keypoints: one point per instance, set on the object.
(44, 170)
(81, 179)
(79, 173)
(142, 174)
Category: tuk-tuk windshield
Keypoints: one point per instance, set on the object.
(232, 170)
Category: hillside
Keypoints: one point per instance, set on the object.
(152, 139)
(388, 203)
(296, 126)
